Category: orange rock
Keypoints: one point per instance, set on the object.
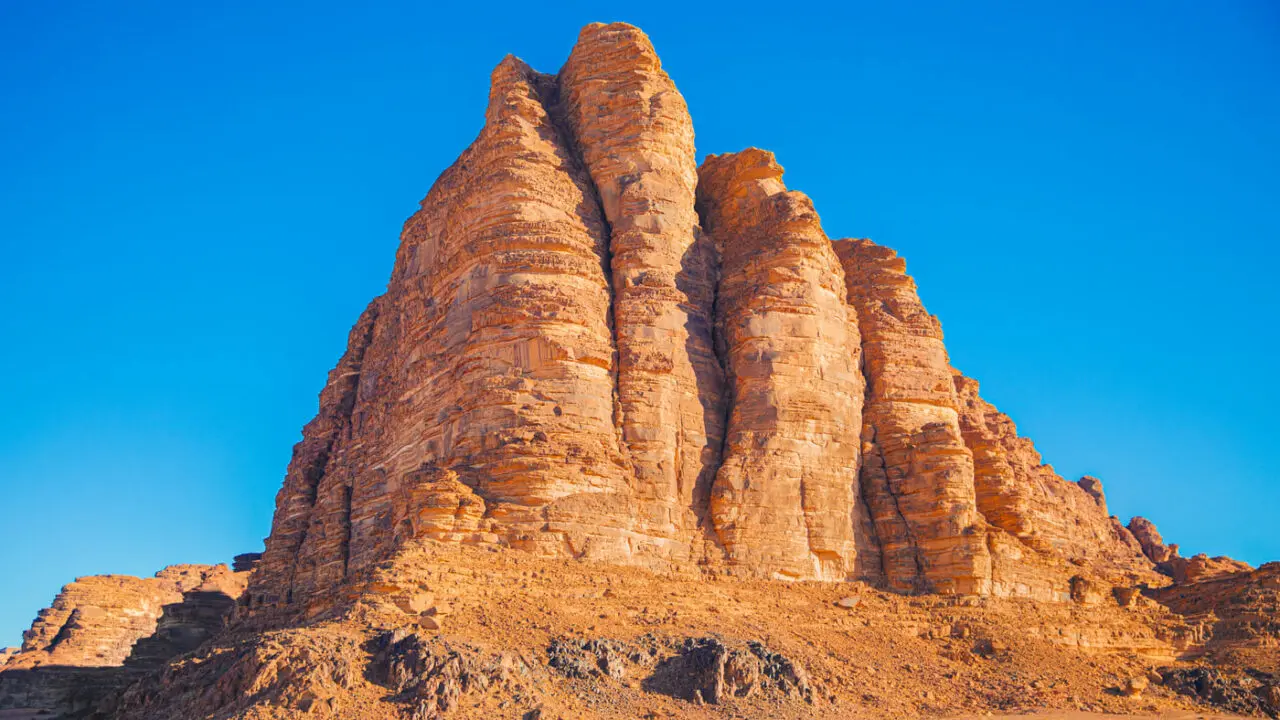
(1052, 524)
(96, 620)
(1170, 562)
(589, 348)
(917, 473)
(633, 131)
(787, 489)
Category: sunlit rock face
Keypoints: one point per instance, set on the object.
(590, 347)
(96, 620)
(786, 499)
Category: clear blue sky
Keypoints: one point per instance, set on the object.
(197, 201)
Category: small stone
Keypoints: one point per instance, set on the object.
(849, 602)
(1134, 686)
(431, 623)
(414, 603)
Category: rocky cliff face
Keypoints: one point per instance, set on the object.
(104, 632)
(96, 620)
(785, 501)
(592, 348)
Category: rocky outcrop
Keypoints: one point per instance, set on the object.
(1201, 567)
(245, 562)
(1054, 523)
(1148, 537)
(786, 497)
(633, 131)
(183, 627)
(1169, 560)
(1240, 612)
(590, 348)
(104, 632)
(96, 620)
(917, 474)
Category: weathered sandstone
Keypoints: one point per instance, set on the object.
(786, 497)
(1056, 523)
(1240, 614)
(96, 620)
(635, 136)
(1149, 538)
(590, 348)
(607, 399)
(917, 473)
(1169, 561)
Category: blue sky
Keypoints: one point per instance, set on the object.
(197, 199)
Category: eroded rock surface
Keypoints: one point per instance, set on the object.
(96, 620)
(633, 131)
(1169, 560)
(917, 472)
(786, 497)
(1239, 611)
(591, 348)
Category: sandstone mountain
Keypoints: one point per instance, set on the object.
(592, 348)
(598, 360)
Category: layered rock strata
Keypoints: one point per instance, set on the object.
(634, 134)
(96, 620)
(184, 626)
(1239, 611)
(917, 473)
(1037, 514)
(786, 498)
(590, 348)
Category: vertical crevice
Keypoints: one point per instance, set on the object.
(549, 96)
(346, 530)
(918, 583)
(728, 392)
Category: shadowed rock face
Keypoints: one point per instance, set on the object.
(96, 620)
(591, 348)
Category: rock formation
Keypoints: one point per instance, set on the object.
(917, 472)
(95, 621)
(1239, 613)
(103, 631)
(785, 500)
(591, 349)
(1169, 561)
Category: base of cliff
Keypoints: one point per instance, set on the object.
(462, 632)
